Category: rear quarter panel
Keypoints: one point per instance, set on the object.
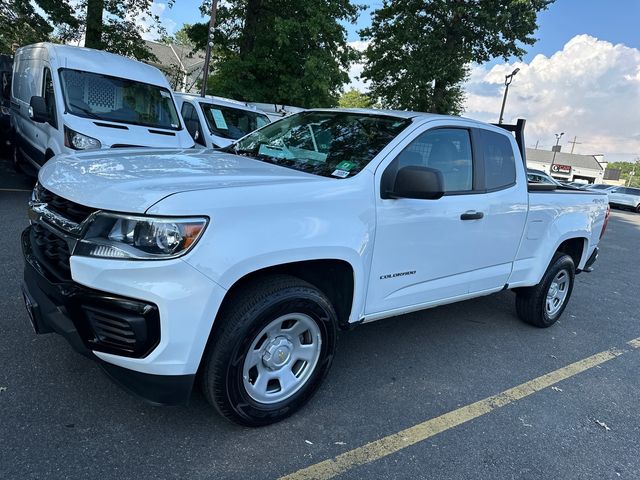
(554, 217)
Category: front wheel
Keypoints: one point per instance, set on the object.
(271, 351)
(542, 304)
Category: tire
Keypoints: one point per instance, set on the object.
(637, 208)
(256, 340)
(532, 302)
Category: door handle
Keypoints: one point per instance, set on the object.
(471, 215)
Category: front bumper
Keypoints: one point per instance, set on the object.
(160, 365)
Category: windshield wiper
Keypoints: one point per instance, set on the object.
(85, 111)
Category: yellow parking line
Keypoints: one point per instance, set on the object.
(422, 431)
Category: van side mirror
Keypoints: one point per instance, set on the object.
(38, 110)
(417, 182)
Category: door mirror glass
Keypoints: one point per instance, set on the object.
(38, 110)
(417, 182)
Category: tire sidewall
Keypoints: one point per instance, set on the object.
(562, 263)
(304, 301)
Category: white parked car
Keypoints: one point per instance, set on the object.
(240, 265)
(215, 122)
(625, 197)
(67, 99)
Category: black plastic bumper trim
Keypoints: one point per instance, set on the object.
(588, 267)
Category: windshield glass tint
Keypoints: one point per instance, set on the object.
(115, 99)
(233, 123)
(337, 144)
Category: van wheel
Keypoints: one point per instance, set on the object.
(542, 304)
(271, 351)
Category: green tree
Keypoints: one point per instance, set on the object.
(24, 21)
(280, 51)
(630, 172)
(419, 51)
(355, 99)
(104, 24)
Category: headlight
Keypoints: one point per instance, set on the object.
(131, 237)
(78, 141)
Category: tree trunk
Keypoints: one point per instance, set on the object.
(438, 97)
(251, 19)
(93, 34)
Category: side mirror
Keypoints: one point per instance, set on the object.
(38, 110)
(417, 182)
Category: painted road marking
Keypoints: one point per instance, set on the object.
(393, 443)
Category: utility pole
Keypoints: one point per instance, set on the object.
(207, 57)
(574, 143)
(555, 150)
(507, 81)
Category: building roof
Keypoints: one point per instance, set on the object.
(175, 56)
(572, 159)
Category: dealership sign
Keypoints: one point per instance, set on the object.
(557, 168)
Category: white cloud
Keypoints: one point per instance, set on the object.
(589, 89)
(356, 69)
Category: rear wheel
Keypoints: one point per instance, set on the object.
(542, 304)
(271, 351)
(638, 208)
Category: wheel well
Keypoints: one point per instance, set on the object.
(335, 278)
(48, 154)
(574, 248)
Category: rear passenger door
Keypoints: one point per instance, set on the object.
(505, 202)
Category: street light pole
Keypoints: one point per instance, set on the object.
(207, 57)
(507, 81)
(555, 150)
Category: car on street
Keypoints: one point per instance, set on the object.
(67, 99)
(215, 122)
(625, 197)
(234, 268)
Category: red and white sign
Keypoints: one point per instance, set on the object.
(557, 168)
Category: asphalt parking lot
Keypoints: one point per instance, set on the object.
(60, 417)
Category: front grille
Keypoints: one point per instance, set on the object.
(68, 209)
(51, 251)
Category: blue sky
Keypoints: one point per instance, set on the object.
(617, 21)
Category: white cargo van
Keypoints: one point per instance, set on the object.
(215, 122)
(65, 99)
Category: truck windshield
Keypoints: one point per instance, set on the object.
(232, 123)
(115, 99)
(331, 144)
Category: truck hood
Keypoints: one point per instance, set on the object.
(133, 180)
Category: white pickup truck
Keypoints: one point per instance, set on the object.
(237, 267)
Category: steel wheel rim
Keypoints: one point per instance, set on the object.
(557, 292)
(282, 358)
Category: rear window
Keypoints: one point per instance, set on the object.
(499, 161)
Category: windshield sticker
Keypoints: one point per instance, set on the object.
(346, 166)
(340, 173)
(219, 120)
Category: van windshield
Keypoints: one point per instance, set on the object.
(102, 97)
(232, 123)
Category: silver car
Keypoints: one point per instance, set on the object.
(625, 197)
